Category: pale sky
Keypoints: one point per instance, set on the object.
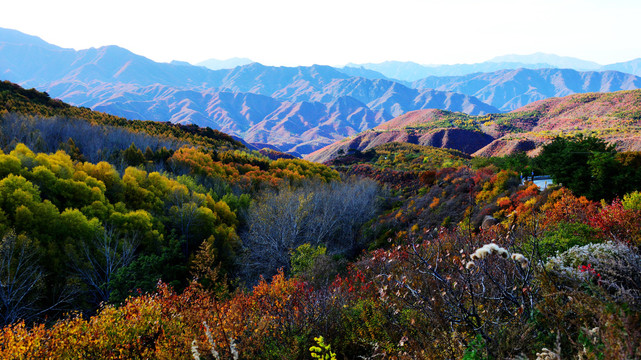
(335, 32)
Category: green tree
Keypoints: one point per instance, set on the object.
(323, 351)
(146, 270)
(585, 165)
(303, 257)
(632, 201)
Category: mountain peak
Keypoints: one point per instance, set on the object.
(180, 63)
(10, 36)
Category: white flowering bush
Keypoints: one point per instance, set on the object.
(491, 249)
(613, 266)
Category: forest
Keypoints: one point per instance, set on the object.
(140, 240)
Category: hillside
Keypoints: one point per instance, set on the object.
(614, 117)
(15, 99)
(416, 127)
(402, 156)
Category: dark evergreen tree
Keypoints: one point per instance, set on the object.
(585, 165)
(133, 156)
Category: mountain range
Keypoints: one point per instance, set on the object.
(614, 117)
(295, 109)
(410, 71)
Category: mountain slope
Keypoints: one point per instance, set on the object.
(511, 89)
(301, 126)
(614, 117)
(409, 128)
(15, 99)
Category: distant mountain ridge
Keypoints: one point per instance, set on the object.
(15, 37)
(631, 67)
(556, 61)
(298, 126)
(510, 89)
(295, 108)
(411, 71)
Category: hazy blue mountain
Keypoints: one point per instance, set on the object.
(280, 82)
(400, 70)
(291, 126)
(395, 98)
(555, 61)
(15, 37)
(215, 64)
(363, 72)
(511, 89)
(180, 63)
(630, 67)
(38, 64)
(296, 108)
(314, 120)
(410, 71)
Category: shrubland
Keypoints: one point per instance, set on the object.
(501, 292)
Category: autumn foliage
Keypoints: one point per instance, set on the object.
(222, 253)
